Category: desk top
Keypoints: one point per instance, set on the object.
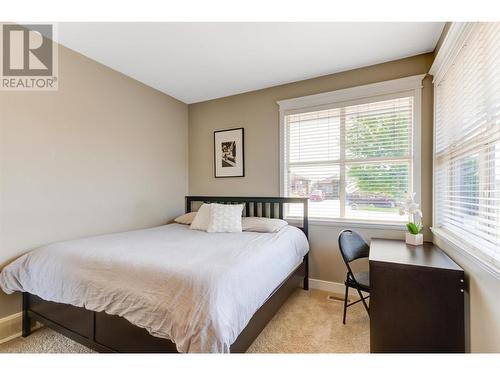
(398, 252)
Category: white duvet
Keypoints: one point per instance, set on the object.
(195, 288)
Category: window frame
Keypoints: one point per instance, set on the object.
(456, 38)
(407, 86)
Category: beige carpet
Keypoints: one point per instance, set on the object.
(307, 323)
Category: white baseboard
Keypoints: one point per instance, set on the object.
(12, 337)
(11, 327)
(327, 286)
(332, 287)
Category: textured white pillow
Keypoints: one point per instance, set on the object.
(202, 218)
(186, 218)
(225, 218)
(262, 224)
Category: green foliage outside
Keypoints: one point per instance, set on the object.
(379, 136)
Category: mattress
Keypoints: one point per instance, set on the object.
(195, 288)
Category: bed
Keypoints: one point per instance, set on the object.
(165, 289)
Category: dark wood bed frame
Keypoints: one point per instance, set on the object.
(111, 333)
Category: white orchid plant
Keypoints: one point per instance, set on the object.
(410, 208)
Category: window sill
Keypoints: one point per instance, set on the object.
(351, 224)
(467, 251)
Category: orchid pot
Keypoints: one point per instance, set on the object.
(414, 235)
(414, 239)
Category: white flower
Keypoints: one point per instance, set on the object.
(409, 207)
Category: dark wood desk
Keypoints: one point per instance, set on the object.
(416, 299)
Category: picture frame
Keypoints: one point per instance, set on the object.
(229, 153)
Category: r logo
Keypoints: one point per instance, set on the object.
(27, 50)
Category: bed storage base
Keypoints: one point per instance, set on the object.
(110, 333)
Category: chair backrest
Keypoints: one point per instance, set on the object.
(352, 246)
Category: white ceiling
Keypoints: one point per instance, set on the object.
(195, 62)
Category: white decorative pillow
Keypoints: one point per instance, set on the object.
(202, 218)
(186, 218)
(225, 218)
(262, 224)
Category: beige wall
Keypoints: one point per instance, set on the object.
(102, 154)
(442, 37)
(483, 302)
(257, 112)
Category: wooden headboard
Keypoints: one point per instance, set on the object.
(271, 207)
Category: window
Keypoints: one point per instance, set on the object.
(467, 142)
(353, 159)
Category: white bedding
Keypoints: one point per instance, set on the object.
(195, 288)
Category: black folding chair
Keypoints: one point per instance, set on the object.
(353, 247)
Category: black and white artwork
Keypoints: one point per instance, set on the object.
(228, 153)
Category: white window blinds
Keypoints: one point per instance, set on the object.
(467, 145)
(353, 161)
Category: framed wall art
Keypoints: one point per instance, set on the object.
(229, 158)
